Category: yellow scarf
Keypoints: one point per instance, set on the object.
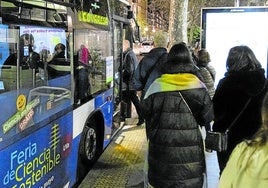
(174, 82)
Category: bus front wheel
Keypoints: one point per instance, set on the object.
(90, 144)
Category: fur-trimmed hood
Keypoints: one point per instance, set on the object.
(251, 82)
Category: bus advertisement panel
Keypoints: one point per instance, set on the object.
(41, 159)
(44, 39)
(4, 53)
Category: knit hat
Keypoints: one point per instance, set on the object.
(203, 56)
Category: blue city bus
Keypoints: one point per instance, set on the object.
(53, 127)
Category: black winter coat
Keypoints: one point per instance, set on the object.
(130, 63)
(231, 95)
(149, 69)
(176, 151)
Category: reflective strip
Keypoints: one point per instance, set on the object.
(61, 67)
(80, 67)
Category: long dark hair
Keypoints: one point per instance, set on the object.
(180, 53)
(179, 60)
(241, 58)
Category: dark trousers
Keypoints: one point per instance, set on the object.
(223, 158)
(132, 96)
(83, 84)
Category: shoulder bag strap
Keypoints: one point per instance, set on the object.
(188, 106)
(185, 102)
(236, 118)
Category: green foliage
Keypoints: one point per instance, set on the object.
(194, 12)
(193, 34)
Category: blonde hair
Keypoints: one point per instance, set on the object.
(160, 39)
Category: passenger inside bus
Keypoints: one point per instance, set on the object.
(58, 66)
(82, 74)
(28, 57)
(29, 60)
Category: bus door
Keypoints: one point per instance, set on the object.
(117, 50)
(124, 27)
(122, 31)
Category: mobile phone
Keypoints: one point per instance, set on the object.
(26, 51)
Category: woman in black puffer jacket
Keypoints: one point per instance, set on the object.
(176, 152)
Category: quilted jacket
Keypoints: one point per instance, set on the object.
(176, 152)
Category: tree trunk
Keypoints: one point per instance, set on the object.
(178, 21)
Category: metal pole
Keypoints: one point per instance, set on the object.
(236, 3)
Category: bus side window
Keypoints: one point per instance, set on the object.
(58, 65)
(8, 77)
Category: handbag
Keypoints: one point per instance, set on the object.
(218, 141)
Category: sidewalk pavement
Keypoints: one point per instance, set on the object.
(121, 164)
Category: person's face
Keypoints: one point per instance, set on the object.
(57, 49)
(26, 42)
